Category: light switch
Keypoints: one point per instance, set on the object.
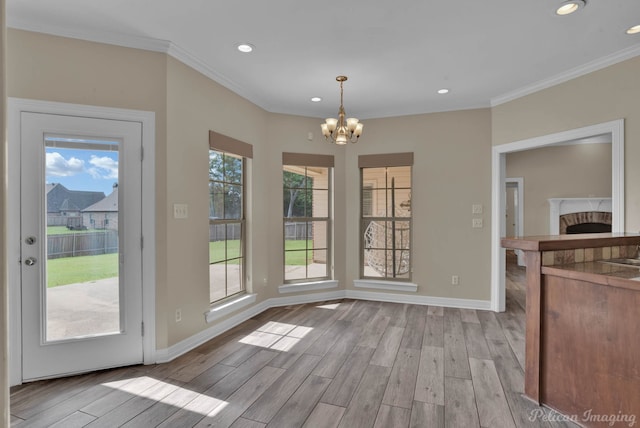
(180, 211)
(476, 209)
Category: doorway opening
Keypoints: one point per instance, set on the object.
(614, 130)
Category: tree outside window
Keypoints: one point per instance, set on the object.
(226, 224)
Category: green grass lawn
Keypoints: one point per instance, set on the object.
(70, 270)
(62, 230)
(216, 251)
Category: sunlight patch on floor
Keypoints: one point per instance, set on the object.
(201, 404)
(333, 306)
(277, 336)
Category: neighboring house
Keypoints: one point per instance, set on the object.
(64, 206)
(104, 213)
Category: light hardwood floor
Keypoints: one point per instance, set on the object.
(333, 364)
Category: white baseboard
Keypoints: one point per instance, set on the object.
(184, 346)
(307, 286)
(412, 299)
(386, 285)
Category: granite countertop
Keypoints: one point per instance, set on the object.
(600, 272)
(567, 242)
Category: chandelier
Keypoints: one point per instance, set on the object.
(337, 130)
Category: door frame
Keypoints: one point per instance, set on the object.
(498, 176)
(519, 185)
(15, 106)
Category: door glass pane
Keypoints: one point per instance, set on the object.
(82, 271)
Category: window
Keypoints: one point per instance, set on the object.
(385, 216)
(307, 209)
(227, 223)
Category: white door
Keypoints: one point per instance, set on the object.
(81, 267)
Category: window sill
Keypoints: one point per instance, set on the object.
(307, 286)
(386, 285)
(221, 310)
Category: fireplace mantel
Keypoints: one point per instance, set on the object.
(562, 206)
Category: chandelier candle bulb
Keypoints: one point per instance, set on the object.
(352, 122)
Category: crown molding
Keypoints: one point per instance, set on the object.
(124, 40)
(143, 43)
(190, 60)
(598, 64)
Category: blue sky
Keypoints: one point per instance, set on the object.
(78, 169)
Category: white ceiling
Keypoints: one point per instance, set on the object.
(396, 54)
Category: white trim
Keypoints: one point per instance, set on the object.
(226, 308)
(147, 119)
(385, 285)
(185, 57)
(447, 302)
(307, 286)
(590, 67)
(12, 245)
(143, 43)
(192, 342)
(116, 39)
(186, 345)
(498, 168)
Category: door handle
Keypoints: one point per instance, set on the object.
(30, 240)
(30, 261)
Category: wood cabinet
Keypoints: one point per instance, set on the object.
(583, 329)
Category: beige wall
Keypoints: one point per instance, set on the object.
(452, 171)
(608, 94)
(576, 171)
(195, 105)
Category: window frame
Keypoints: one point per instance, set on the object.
(383, 161)
(227, 146)
(305, 162)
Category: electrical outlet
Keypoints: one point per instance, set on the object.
(476, 223)
(476, 209)
(178, 315)
(455, 280)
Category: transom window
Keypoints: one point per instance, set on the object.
(385, 216)
(307, 216)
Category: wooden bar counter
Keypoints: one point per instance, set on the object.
(583, 326)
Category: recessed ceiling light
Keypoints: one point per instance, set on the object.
(570, 6)
(245, 47)
(443, 91)
(316, 99)
(634, 30)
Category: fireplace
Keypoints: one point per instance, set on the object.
(579, 215)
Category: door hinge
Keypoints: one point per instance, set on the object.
(141, 154)
(142, 328)
(142, 242)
